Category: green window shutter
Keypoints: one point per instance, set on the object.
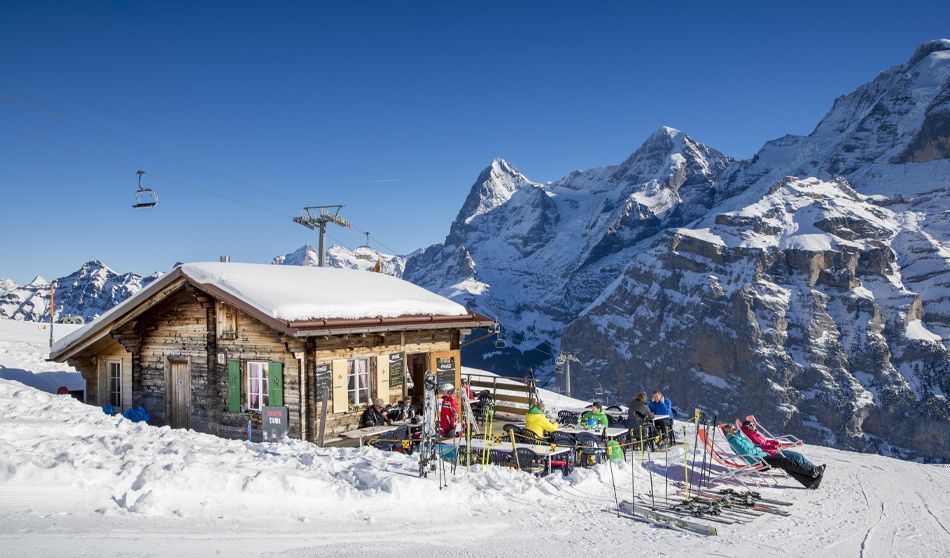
(234, 386)
(275, 384)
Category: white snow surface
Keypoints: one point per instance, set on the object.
(23, 352)
(301, 293)
(76, 482)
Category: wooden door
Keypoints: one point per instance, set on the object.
(178, 394)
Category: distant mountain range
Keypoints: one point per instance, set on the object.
(95, 288)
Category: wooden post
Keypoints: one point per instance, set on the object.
(323, 416)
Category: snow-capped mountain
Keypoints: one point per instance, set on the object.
(362, 258)
(686, 269)
(90, 291)
(535, 254)
(793, 308)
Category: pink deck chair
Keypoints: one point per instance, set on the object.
(736, 467)
(785, 441)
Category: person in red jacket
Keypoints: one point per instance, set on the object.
(451, 410)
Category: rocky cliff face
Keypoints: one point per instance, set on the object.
(793, 308)
(533, 255)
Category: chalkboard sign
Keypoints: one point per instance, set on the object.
(396, 367)
(322, 380)
(445, 370)
(274, 421)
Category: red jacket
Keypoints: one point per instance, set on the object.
(769, 446)
(447, 419)
(452, 400)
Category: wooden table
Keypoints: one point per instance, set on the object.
(544, 450)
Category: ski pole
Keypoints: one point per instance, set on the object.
(685, 470)
(610, 464)
(666, 476)
(713, 443)
(695, 440)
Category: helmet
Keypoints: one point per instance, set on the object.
(448, 387)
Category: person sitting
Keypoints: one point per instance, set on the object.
(640, 419)
(809, 477)
(660, 405)
(374, 416)
(597, 415)
(771, 446)
(537, 422)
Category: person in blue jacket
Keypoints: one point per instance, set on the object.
(661, 405)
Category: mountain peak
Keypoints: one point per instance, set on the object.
(928, 48)
(666, 132)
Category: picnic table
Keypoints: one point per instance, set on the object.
(610, 431)
(373, 431)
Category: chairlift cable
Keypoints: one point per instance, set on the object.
(67, 147)
(161, 152)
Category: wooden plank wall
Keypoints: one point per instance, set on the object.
(325, 350)
(256, 341)
(175, 329)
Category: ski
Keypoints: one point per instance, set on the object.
(748, 494)
(725, 506)
(754, 495)
(686, 509)
(733, 501)
(428, 447)
(663, 520)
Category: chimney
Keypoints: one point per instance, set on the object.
(224, 259)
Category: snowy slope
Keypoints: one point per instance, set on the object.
(74, 481)
(23, 351)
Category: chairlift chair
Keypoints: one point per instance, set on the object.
(144, 197)
(365, 252)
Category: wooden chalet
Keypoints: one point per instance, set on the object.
(209, 345)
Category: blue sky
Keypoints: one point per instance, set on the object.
(389, 108)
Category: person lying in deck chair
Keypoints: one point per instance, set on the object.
(536, 422)
(808, 476)
(771, 447)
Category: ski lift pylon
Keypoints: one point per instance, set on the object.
(144, 197)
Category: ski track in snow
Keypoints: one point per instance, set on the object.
(76, 482)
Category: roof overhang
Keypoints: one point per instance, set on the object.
(174, 280)
(309, 328)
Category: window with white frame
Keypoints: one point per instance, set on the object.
(115, 383)
(357, 373)
(256, 389)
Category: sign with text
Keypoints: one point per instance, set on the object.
(322, 380)
(396, 369)
(275, 422)
(445, 370)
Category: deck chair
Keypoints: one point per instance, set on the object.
(735, 467)
(784, 441)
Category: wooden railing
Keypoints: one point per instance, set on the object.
(511, 396)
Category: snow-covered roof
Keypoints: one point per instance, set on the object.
(297, 293)
(289, 295)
